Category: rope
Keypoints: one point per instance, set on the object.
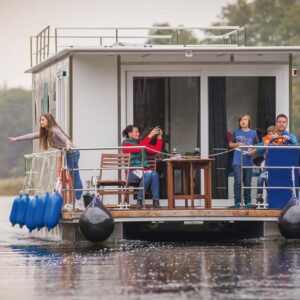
(51, 169)
(187, 157)
(30, 174)
(42, 171)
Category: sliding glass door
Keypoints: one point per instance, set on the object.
(173, 103)
(228, 97)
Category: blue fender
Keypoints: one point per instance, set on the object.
(53, 210)
(21, 215)
(40, 211)
(14, 210)
(29, 220)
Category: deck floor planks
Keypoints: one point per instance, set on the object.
(164, 212)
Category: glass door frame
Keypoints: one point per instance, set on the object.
(281, 93)
(128, 72)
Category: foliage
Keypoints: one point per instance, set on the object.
(182, 37)
(15, 119)
(270, 23)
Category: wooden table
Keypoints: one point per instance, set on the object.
(189, 165)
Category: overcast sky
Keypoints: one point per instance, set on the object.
(19, 19)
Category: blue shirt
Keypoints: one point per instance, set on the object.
(293, 139)
(247, 138)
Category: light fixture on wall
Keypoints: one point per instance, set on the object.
(188, 53)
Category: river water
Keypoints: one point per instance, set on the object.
(248, 269)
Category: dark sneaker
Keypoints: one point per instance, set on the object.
(260, 200)
(139, 204)
(156, 204)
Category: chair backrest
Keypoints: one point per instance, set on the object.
(152, 161)
(114, 161)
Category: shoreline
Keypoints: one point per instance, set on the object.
(11, 186)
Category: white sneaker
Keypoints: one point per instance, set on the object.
(79, 205)
(68, 207)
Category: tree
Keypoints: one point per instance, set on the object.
(269, 22)
(182, 37)
(15, 119)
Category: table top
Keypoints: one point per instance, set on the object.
(188, 159)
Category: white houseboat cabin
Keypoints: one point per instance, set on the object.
(96, 81)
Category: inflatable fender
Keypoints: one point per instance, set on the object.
(29, 220)
(289, 220)
(22, 209)
(40, 210)
(14, 210)
(53, 210)
(96, 223)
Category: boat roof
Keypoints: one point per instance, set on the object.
(162, 49)
(47, 49)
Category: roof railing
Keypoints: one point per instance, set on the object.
(41, 48)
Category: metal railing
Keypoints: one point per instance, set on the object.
(64, 37)
(265, 204)
(43, 169)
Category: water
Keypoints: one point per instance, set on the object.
(35, 269)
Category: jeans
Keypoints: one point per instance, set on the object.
(247, 175)
(72, 163)
(261, 181)
(151, 180)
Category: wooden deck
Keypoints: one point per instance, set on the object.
(169, 215)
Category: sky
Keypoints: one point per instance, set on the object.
(21, 19)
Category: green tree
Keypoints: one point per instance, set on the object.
(182, 37)
(270, 22)
(15, 119)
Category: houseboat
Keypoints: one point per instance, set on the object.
(96, 81)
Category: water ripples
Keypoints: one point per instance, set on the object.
(250, 269)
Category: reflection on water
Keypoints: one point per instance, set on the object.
(35, 269)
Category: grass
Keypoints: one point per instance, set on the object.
(11, 186)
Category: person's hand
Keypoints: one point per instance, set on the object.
(154, 131)
(240, 144)
(68, 147)
(160, 133)
(11, 139)
(286, 137)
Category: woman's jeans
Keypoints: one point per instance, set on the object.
(247, 176)
(72, 163)
(151, 180)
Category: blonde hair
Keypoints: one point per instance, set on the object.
(272, 129)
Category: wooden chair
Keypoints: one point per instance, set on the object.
(117, 186)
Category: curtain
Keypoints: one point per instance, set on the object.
(149, 98)
(218, 135)
(265, 104)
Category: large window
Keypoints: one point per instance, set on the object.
(228, 97)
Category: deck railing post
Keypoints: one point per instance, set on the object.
(241, 179)
(31, 52)
(143, 178)
(55, 39)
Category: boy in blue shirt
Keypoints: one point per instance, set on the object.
(243, 136)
